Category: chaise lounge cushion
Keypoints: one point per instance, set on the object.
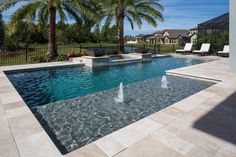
(204, 49)
(225, 52)
(187, 48)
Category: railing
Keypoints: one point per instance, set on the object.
(26, 53)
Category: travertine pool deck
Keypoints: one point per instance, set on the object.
(201, 125)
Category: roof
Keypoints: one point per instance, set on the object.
(194, 28)
(152, 37)
(220, 22)
(189, 36)
(158, 32)
(175, 33)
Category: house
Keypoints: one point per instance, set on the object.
(193, 30)
(219, 24)
(155, 38)
(192, 35)
(169, 36)
(133, 40)
(137, 39)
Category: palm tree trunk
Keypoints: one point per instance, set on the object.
(121, 29)
(52, 51)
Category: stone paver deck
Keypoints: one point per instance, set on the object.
(201, 125)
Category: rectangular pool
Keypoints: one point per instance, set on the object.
(40, 87)
(76, 105)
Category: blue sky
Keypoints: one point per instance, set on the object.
(178, 14)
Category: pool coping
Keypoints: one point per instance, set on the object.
(30, 139)
(25, 67)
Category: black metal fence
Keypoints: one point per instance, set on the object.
(27, 53)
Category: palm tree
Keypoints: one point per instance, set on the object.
(44, 13)
(135, 11)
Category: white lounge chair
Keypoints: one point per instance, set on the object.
(204, 49)
(225, 52)
(187, 48)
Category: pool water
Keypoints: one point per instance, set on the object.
(75, 105)
(74, 123)
(41, 87)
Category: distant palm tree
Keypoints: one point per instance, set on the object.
(135, 11)
(45, 12)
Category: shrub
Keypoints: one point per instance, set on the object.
(217, 41)
(62, 57)
(38, 59)
(10, 44)
(112, 53)
(80, 54)
(70, 54)
(83, 53)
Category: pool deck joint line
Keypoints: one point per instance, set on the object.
(203, 124)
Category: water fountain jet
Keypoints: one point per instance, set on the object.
(120, 96)
(164, 82)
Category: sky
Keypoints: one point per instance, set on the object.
(178, 14)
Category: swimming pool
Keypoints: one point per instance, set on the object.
(41, 87)
(76, 106)
(74, 123)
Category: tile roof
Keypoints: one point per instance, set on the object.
(175, 33)
(219, 22)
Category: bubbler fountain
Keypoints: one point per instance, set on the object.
(164, 82)
(120, 96)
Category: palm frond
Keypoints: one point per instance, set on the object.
(6, 4)
(72, 12)
(130, 21)
(43, 16)
(25, 13)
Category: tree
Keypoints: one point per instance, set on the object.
(45, 13)
(97, 33)
(109, 34)
(2, 35)
(26, 33)
(135, 11)
(77, 34)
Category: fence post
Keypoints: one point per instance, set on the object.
(80, 48)
(100, 45)
(173, 47)
(26, 53)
